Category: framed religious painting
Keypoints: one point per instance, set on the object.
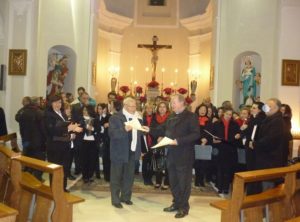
(17, 62)
(290, 72)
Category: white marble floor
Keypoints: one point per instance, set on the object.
(147, 207)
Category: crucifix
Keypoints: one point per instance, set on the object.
(154, 47)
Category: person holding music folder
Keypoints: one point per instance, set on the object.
(226, 138)
(58, 135)
(202, 167)
(159, 155)
(90, 137)
(182, 127)
(125, 148)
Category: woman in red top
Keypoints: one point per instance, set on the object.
(159, 160)
(228, 138)
(201, 166)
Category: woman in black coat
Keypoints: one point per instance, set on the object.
(58, 130)
(159, 160)
(227, 139)
(202, 167)
(146, 144)
(103, 116)
(90, 137)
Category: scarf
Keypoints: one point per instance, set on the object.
(161, 119)
(226, 127)
(202, 120)
(134, 131)
(148, 122)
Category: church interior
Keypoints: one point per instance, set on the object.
(147, 49)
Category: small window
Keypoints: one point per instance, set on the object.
(157, 2)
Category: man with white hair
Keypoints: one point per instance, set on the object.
(182, 127)
(270, 143)
(125, 148)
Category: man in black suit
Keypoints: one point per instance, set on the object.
(182, 127)
(125, 149)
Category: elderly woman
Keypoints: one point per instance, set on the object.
(58, 135)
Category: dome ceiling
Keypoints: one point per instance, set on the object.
(187, 8)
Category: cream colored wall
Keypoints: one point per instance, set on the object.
(170, 59)
(289, 48)
(64, 22)
(103, 78)
(246, 26)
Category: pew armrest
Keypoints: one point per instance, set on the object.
(6, 211)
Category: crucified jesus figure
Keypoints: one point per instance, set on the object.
(154, 50)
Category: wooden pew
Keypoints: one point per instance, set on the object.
(250, 208)
(7, 214)
(13, 140)
(18, 189)
(45, 196)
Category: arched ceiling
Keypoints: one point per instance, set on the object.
(187, 8)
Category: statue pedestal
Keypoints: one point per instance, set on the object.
(152, 93)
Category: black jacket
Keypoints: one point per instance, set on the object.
(184, 128)
(32, 128)
(120, 139)
(270, 145)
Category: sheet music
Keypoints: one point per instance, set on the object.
(135, 124)
(253, 132)
(164, 142)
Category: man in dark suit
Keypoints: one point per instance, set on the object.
(182, 127)
(270, 144)
(125, 149)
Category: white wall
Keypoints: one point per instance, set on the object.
(245, 26)
(289, 48)
(64, 22)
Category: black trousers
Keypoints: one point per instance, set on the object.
(106, 161)
(147, 170)
(37, 154)
(89, 157)
(59, 153)
(180, 178)
(76, 155)
(121, 179)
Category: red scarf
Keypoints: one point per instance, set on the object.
(148, 137)
(161, 119)
(202, 120)
(226, 127)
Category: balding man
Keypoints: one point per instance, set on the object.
(270, 144)
(182, 127)
(125, 148)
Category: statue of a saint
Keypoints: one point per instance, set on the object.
(248, 80)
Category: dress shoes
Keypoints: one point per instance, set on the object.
(171, 208)
(66, 191)
(71, 177)
(118, 205)
(127, 202)
(180, 214)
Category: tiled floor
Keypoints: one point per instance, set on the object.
(147, 207)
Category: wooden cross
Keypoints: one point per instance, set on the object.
(154, 47)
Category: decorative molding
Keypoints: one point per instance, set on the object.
(1, 30)
(21, 6)
(112, 22)
(199, 22)
(200, 38)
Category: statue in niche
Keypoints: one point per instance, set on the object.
(248, 82)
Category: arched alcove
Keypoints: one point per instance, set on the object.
(61, 70)
(239, 65)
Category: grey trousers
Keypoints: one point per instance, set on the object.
(121, 180)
